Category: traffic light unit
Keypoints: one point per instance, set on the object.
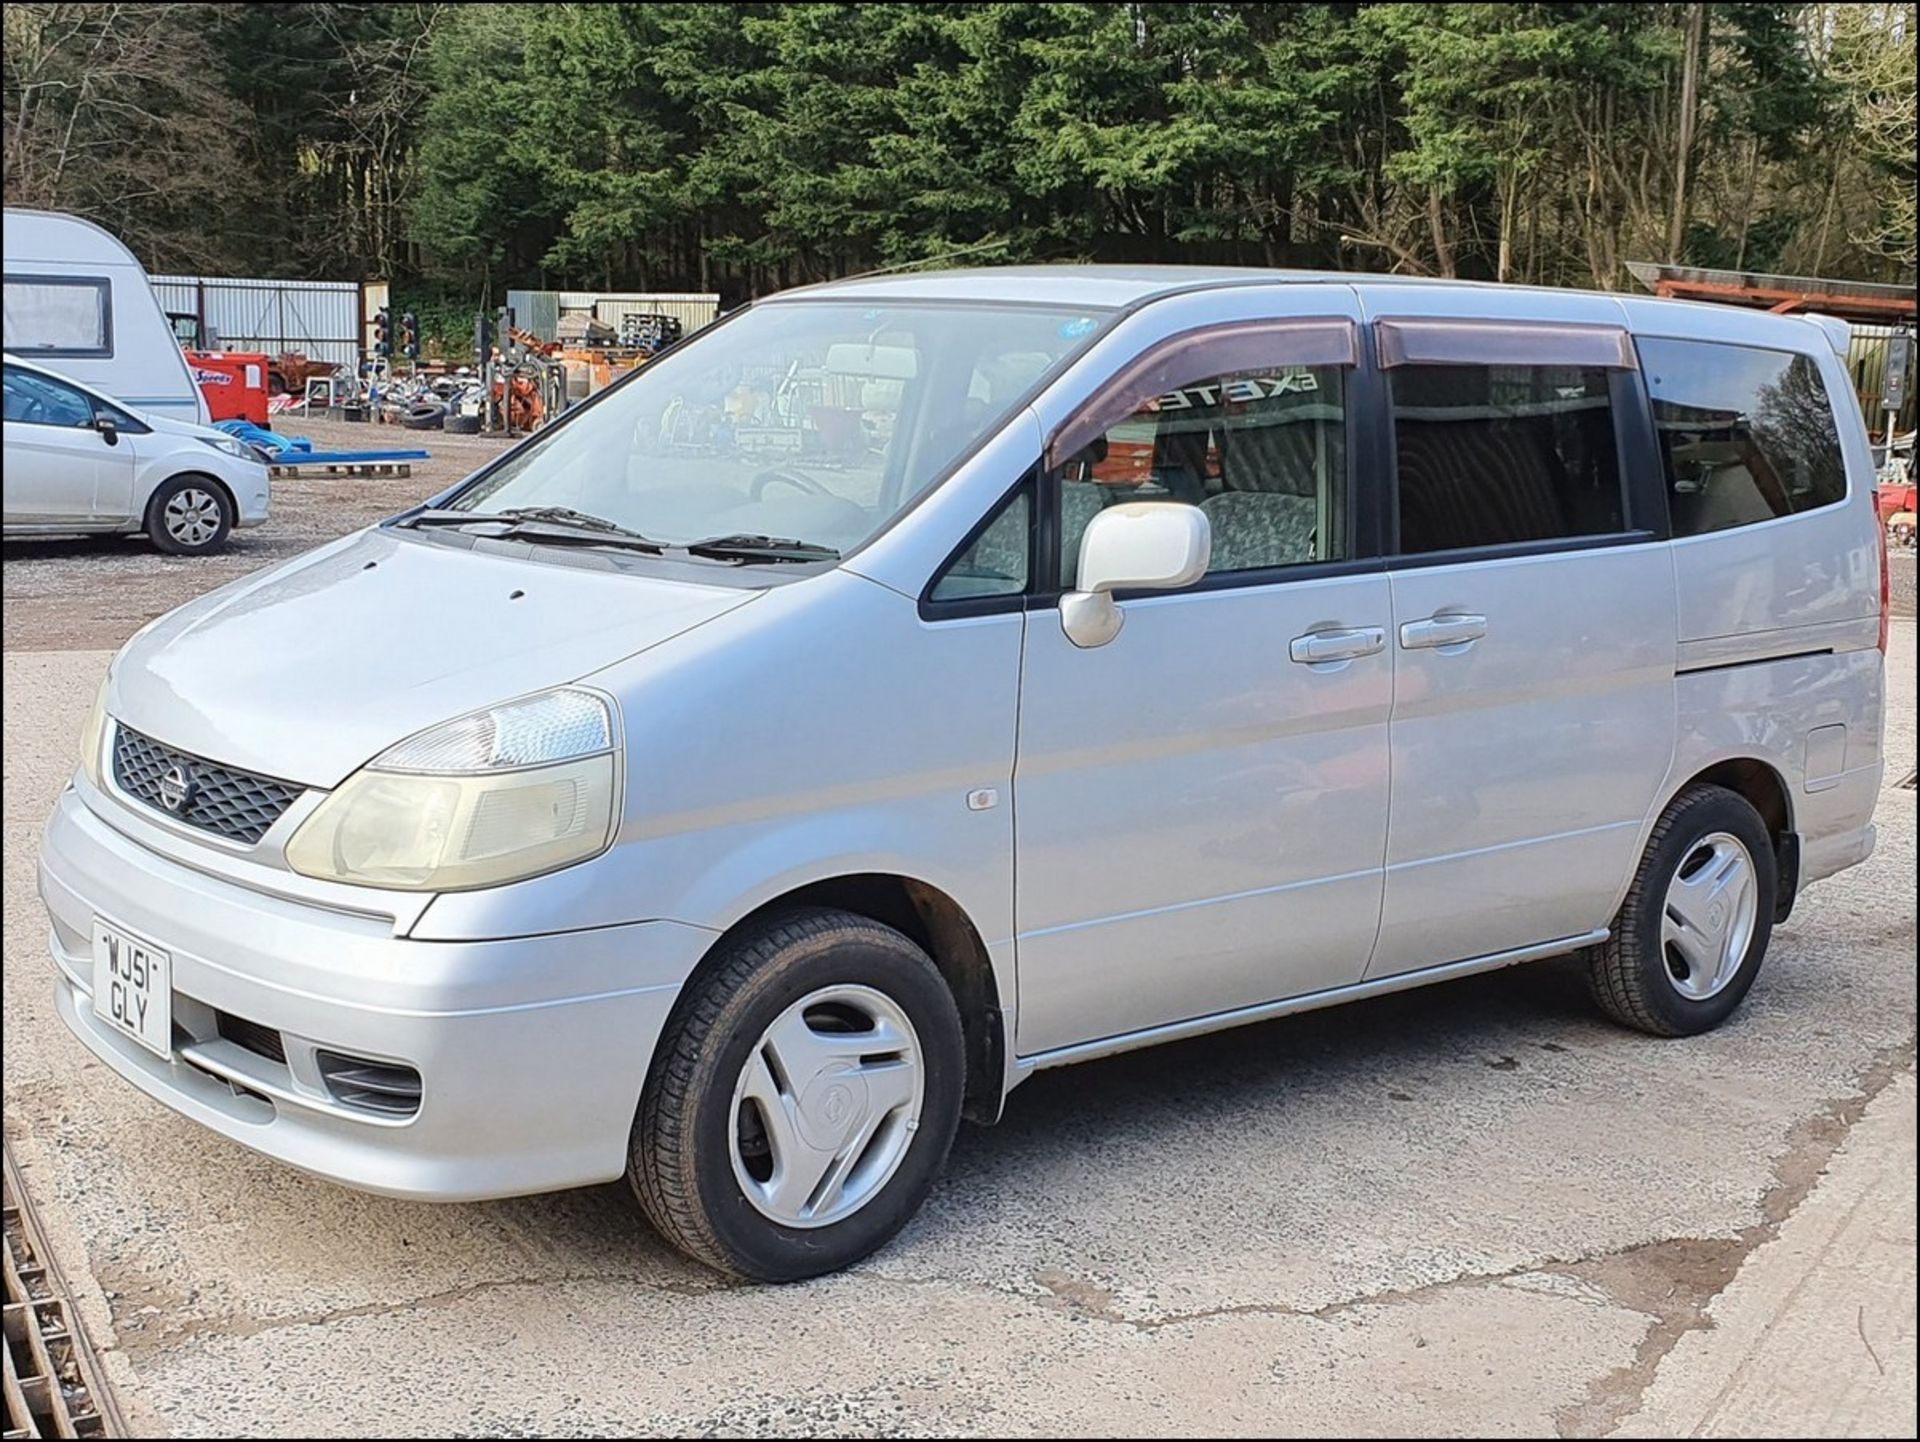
(383, 333)
(410, 336)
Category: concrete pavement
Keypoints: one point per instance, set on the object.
(1471, 1210)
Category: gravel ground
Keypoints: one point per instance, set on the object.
(93, 592)
(1901, 568)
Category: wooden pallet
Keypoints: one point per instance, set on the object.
(396, 469)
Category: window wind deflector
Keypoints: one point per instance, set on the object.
(1447, 342)
(1215, 350)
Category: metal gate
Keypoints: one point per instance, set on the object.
(325, 319)
(1867, 364)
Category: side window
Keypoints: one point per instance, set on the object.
(995, 562)
(1745, 435)
(1261, 449)
(34, 400)
(1491, 455)
(58, 315)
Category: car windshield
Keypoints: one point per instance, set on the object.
(797, 424)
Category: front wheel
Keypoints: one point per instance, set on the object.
(802, 1099)
(1694, 928)
(189, 516)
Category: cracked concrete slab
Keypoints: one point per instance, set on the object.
(1473, 1210)
(1815, 1336)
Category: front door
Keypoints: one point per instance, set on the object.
(1534, 625)
(1200, 804)
(54, 456)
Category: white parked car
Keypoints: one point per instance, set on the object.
(912, 683)
(79, 461)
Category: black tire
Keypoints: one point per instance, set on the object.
(168, 532)
(1631, 975)
(462, 425)
(425, 418)
(680, 1158)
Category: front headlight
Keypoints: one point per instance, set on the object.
(94, 736)
(499, 795)
(227, 445)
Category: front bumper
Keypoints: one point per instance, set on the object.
(253, 494)
(531, 1051)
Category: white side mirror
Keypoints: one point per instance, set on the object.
(1144, 545)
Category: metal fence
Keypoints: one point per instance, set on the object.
(539, 311)
(1867, 364)
(325, 319)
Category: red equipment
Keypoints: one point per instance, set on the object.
(234, 383)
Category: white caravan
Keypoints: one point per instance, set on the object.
(77, 299)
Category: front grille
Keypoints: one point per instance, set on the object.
(235, 804)
(371, 1086)
(251, 1036)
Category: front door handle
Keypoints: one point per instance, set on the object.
(1318, 646)
(1449, 629)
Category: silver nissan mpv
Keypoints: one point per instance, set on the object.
(909, 683)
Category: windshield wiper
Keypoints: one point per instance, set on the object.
(759, 548)
(560, 525)
(566, 516)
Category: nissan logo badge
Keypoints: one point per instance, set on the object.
(176, 789)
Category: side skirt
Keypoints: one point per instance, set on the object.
(1312, 1001)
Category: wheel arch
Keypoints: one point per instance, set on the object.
(939, 926)
(1760, 783)
(1753, 778)
(225, 490)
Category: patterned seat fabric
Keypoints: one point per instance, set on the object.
(1278, 456)
(1256, 529)
(1000, 551)
(1465, 484)
(1080, 502)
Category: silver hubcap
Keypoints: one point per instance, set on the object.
(826, 1106)
(193, 516)
(1713, 905)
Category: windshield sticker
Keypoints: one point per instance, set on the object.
(1077, 327)
(1242, 388)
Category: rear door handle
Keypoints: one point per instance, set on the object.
(1317, 646)
(1451, 629)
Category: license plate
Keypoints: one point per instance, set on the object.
(133, 987)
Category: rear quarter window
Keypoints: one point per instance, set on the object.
(1746, 435)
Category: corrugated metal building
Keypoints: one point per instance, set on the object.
(539, 311)
(1876, 313)
(328, 320)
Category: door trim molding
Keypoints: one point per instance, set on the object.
(1311, 1001)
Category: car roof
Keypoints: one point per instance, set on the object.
(1116, 287)
(1121, 285)
(25, 363)
(84, 387)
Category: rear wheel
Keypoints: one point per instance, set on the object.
(189, 516)
(803, 1098)
(1694, 927)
